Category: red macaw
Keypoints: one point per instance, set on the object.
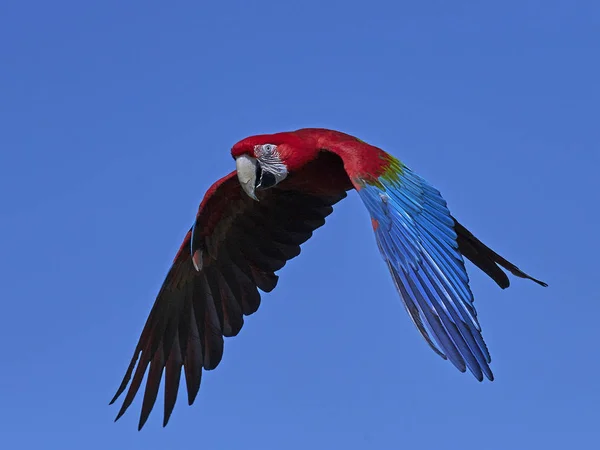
(254, 219)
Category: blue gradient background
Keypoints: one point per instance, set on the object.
(115, 118)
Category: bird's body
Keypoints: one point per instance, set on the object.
(254, 219)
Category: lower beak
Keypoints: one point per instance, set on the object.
(246, 172)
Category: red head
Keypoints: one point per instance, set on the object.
(265, 160)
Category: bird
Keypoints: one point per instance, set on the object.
(253, 220)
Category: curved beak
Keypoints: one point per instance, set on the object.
(246, 172)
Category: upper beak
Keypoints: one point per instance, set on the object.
(246, 172)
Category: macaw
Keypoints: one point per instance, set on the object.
(253, 220)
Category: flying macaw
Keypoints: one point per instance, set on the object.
(253, 220)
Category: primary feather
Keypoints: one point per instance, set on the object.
(415, 234)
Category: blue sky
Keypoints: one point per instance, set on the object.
(117, 116)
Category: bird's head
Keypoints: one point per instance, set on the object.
(264, 161)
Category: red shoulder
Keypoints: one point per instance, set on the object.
(216, 200)
(212, 208)
(361, 160)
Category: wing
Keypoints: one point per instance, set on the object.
(417, 239)
(234, 249)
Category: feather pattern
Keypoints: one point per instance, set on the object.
(214, 281)
(416, 237)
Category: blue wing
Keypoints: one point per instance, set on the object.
(416, 237)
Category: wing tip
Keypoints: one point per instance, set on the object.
(192, 397)
(120, 413)
(483, 374)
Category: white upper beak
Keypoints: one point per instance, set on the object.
(246, 172)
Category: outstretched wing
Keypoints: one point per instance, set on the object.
(417, 239)
(234, 248)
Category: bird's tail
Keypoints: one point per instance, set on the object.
(486, 259)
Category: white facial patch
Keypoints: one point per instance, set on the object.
(270, 161)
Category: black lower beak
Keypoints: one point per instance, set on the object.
(264, 178)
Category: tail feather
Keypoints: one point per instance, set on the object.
(486, 259)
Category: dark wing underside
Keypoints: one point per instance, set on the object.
(238, 245)
(487, 259)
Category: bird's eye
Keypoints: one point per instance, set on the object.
(268, 147)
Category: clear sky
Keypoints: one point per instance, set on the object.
(115, 118)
